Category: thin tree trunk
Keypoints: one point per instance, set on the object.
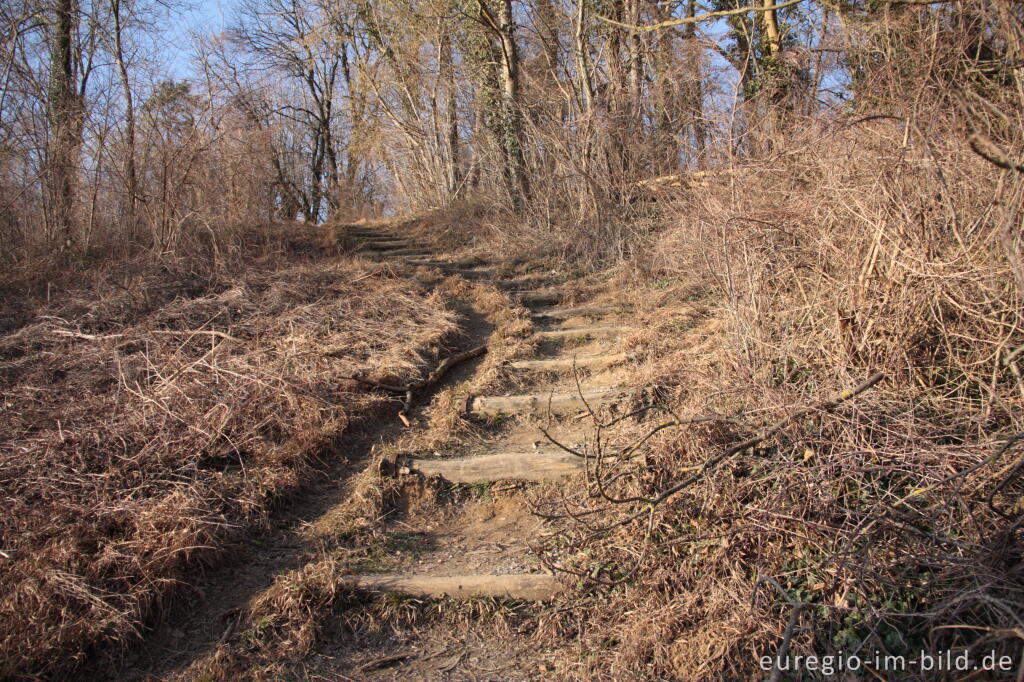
(547, 31)
(771, 28)
(511, 114)
(636, 67)
(131, 182)
(579, 48)
(63, 111)
(453, 172)
(696, 89)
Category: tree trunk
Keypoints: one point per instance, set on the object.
(579, 49)
(771, 29)
(453, 171)
(128, 167)
(695, 93)
(548, 34)
(511, 115)
(64, 113)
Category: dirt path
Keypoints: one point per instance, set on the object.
(478, 546)
(481, 546)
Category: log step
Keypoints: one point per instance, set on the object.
(588, 332)
(372, 234)
(525, 586)
(445, 264)
(517, 284)
(397, 253)
(474, 273)
(566, 364)
(518, 466)
(566, 313)
(540, 297)
(471, 272)
(541, 403)
(387, 245)
(382, 236)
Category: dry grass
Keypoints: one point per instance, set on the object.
(894, 517)
(145, 423)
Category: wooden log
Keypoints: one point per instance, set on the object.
(444, 264)
(549, 297)
(566, 313)
(526, 586)
(612, 332)
(387, 244)
(518, 466)
(397, 253)
(517, 284)
(566, 364)
(473, 273)
(371, 234)
(541, 403)
(409, 390)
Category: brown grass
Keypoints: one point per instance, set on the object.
(779, 286)
(145, 422)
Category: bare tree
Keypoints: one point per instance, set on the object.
(297, 39)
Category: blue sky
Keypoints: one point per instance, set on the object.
(203, 16)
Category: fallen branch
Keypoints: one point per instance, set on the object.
(649, 503)
(787, 635)
(171, 332)
(409, 390)
(757, 440)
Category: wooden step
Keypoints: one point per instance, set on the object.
(471, 272)
(387, 245)
(542, 403)
(371, 234)
(549, 297)
(518, 284)
(612, 332)
(567, 364)
(474, 273)
(445, 264)
(397, 253)
(525, 586)
(518, 466)
(566, 313)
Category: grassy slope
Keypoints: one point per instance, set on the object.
(895, 517)
(146, 420)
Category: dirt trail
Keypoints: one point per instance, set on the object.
(482, 547)
(477, 547)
